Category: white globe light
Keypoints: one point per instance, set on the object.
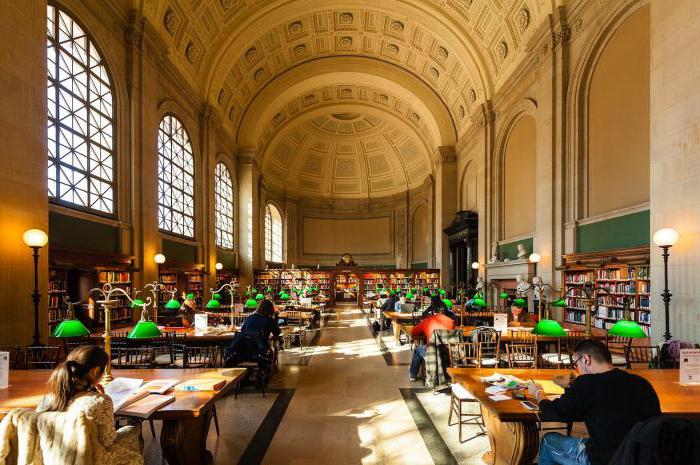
(535, 257)
(475, 265)
(665, 237)
(35, 238)
(219, 266)
(159, 258)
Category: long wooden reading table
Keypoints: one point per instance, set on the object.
(185, 421)
(512, 429)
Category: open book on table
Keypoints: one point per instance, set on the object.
(131, 397)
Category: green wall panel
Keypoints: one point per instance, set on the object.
(226, 258)
(79, 234)
(178, 252)
(419, 266)
(510, 249)
(616, 233)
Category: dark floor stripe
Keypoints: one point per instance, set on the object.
(257, 448)
(389, 357)
(439, 451)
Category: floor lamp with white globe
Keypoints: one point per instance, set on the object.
(666, 238)
(36, 239)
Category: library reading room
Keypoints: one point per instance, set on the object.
(349, 232)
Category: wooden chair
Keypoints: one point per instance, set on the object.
(43, 358)
(489, 341)
(133, 357)
(464, 354)
(618, 347)
(521, 352)
(207, 356)
(565, 350)
(642, 357)
(295, 320)
(238, 320)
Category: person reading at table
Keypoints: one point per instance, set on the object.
(608, 400)
(262, 320)
(424, 330)
(74, 387)
(519, 316)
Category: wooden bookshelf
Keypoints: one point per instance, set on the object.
(624, 274)
(58, 289)
(267, 279)
(195, 285)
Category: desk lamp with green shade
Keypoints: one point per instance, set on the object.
(215, 301)
(627, 327)
(70, 327)
(144, 328)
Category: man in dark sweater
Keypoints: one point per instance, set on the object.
(608, 400)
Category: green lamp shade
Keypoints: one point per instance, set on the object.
(447, 302)
(259, 297)
(255, 291)
(426, 290)
(393, 292)
(479, 302)
(284, 296)
(413, 290)
(627, 328)
(442, 292)
(247, 294)
(172, 304)
(213, 303)
(549, 328)
(409, 296)
(269, 289)
(478, 296)
(504, 295)
(433, 295)
(520, 302)
(144, 330)
(251, 303)
(216, 296)
(190, 296)
(70, 328)
(559, 303)
(137, 303)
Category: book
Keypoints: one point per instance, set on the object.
(144, 407)
(125, 391)
(201, 385)
(159, 386)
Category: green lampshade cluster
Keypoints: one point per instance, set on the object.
(561, 303)
(478, 301)
(251, 303)
(627, 328)
(409, 296)
(520, 302)
(172, 304)
(144, 329)
(284, 296)
(447, 302)
(70, 328)
(549, 328)
(213, 303)
(259, 297)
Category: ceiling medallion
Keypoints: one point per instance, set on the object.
(191, 52)
(346, 41)
(434, 73)
(397, 26)
(170, 21)
(309, 99)
(346, 18)
(231, 113)
(393, 49)
(221, 97)
(295, 27)
(259, 75)
(442, 52)
(502, 50)
(523, 18)
(251, 54)
(346, 116)
(300, 50)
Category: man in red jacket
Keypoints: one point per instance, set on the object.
(424, 330)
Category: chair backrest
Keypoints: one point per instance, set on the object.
(489, 341)
(202, 356)
(522, 337)
(45, 357)
(16, 354)
(238, 320)
(522, 355)
(464, 354)
(133, 357)
(294, 317)
(484, 334)
(618, 344)
(571, 340)
(646, 356)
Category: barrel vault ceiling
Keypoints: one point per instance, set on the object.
(283, 73)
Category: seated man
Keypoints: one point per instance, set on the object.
(519, 316)
(610, 401)
(424, 330)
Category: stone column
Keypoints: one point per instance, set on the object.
(446, 192)
(208, 122)
(249, 211)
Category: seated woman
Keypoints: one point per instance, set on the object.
(519, 316)
(262, 320)
(74, 386)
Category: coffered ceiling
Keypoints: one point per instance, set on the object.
(286, 70)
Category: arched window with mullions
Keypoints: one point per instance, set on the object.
(273, 234)
(80, 118)
(223, 207)
(175, 178)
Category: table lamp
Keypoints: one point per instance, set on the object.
(213, 304)
(627, 328)
(259, 297)
(520, 302)
(172, 304)
(549, 328)
(144, 328)
(70, 327)
(250, 303)
(478, 301)
(448, 303)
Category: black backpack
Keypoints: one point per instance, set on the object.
(376, 327)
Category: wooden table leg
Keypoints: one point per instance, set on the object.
(184, 440)
(397, 330)
(511, 443)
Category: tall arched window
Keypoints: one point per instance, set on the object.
(273, 234)
(175, 178)
(80, 118)
(223, 207)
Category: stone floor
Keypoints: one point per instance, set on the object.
(344, 401)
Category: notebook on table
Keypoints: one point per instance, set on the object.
(146, 406)
(133, 398)
(201, 385)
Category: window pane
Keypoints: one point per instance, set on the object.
(223, 207)
(80, 119)
(175, 178)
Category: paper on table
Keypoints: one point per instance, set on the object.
(499, 397)
(495, 389)
(549, 387)
(124, 391)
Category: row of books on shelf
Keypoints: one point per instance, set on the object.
(579, 278)
(607, 316)
(619, 288)
(114, 277)
(623, 274)
(57, 286)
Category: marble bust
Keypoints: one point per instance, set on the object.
(522, 253)
(494, 254)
